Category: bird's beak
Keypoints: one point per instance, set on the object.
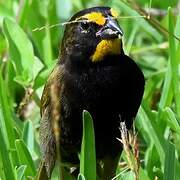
(110, 30)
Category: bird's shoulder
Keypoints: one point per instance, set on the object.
(135, 70)
(55, 78)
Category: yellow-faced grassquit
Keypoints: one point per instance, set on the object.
(92, 74)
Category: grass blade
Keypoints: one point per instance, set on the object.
(6, 122)
(174, 63)
(88, 156)
(169, 169)
(167, 92)
(20, 50)
(21, 171)
(25, 158)
(171, 120)
(6, 158)
(146, 124)
(81, 177)
(28, 136)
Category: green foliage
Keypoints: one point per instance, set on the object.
(25, 157)
(20, 51)
(27, 56)
(169, 169)
(88, 157)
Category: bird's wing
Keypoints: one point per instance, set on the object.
(138, 83)
(48, 142)
(55, 76)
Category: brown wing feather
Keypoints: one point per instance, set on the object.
(56, 75)
(47, 137)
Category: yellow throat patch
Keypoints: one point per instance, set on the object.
(106, 47)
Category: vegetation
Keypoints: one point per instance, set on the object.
(30, 35)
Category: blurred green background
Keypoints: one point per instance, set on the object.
(28, 54)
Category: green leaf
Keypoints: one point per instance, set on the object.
(171, 120)
(6, 158)
(143, 174)
(21, 171)
(28, 136)
(2, 175)
(25, 158)
(61, 5)
(20, 49)
(81, 177)
(130, 40)
(7, 122)
(152, 160)
(174, 63)
(22, 16)
(169, 169)
(46, 43)
(88, 153)
(43, 14)
(177, 169)
(38, 66)
(167, 91)
(158, 172)
(23, 79)
(148, 124)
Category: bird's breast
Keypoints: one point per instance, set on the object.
(94, 88)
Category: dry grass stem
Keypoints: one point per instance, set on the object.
(131, 149)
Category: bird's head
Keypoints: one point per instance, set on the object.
(92, 34)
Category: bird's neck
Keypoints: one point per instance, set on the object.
(83, 65)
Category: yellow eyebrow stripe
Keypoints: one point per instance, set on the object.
(95, 17)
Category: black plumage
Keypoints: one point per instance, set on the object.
(92, 74)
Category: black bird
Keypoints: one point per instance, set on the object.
(92, 74)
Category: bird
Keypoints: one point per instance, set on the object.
(94, 74)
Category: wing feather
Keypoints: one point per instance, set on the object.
(47, 134)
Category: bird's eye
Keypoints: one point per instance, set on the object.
(85, 26)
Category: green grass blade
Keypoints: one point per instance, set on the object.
(28, 136)
(152, 160)
(22, 16)
(143, 174)
(81, 177)
(169, 169)
(88, 156)
(25, 158)
(20, 50)
(2, 175)
(167, 92)
(6, 158)
(130, 40)
(6, 122)
(174, 63)
(21, 171)
(177, 169)
(171, 120)
(147, 125)
(47, 51)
